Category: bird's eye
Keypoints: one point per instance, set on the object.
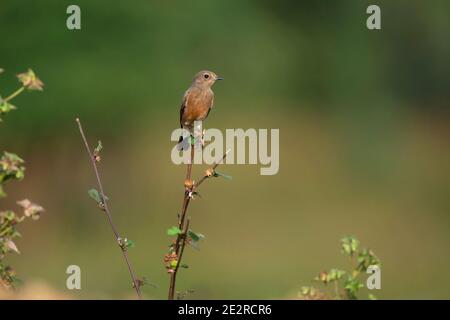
(206, 76)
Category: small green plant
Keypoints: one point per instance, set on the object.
(12, 168)
(344, 284)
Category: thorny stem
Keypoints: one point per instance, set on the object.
(136, 283)
(182, 237)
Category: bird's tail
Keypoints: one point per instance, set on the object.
(183, 143)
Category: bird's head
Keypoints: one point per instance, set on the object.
(206, 78)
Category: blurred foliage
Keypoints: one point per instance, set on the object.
(11, 168)
(346, 285)
(318, 54)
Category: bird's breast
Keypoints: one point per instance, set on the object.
(198, 105)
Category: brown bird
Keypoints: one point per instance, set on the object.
(197, 100)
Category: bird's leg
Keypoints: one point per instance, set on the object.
(198, 134)
(202, 139)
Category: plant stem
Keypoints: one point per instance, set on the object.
(180, 256)
(136, 283)
(183, 244)
(189, 166)
(336, 289)
(181, 238)
(14, 94)
(180, 242)
(187, 198)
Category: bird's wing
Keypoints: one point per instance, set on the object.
(183, 105)
(210, 106)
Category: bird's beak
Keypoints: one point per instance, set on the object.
(219, 78)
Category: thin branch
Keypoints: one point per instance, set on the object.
(182, 237)
(189, 167)
(186, 201)
(173, 276)
(183, 243)
(213, 168)
(136, 283)
(187, 197)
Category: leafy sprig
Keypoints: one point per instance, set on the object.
(344, 284)
(12, 168)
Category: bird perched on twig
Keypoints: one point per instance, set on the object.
(197, 101)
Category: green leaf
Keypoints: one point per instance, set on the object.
(349, 245)
(195, 236)
(94, 194)
(130, 243)
(6, 107)
(99, 147)
(304, 291)
(335, 274)
(13, 157)
(183, 265)
(173, 231)
(352, 287)
(367, 258)
(195, 194)
(11, 167)
(218, 174)
(16, 281)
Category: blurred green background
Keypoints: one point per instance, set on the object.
(364, 141)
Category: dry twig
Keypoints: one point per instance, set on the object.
(136, 283)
